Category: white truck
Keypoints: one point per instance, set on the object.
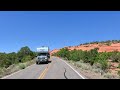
(43, 55)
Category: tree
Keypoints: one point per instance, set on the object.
(26, 58)
(12, 57)
(24, 51)
(74, 55)
(92, 54)
(33, 54)
(64, 52)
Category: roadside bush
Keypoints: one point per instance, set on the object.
(64, 52)
(23, 55)
(1, 70)
(118, 73)
(21, 66)
(104, 64)
(74, 55)
(26, 58)
(102, 59)
(92, 56)
(115, 57)
(109, 76)
(30, 62)
(86, 57)
(6, 63)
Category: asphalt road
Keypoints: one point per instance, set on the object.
(55, 69)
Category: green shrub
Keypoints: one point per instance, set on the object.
(104, 64)
(26, 58)
(6, 63)
(64, 52)
(85, 57)
(92, 57)
(115, 57)
(102, 59)
(23, 55)
(74, 55)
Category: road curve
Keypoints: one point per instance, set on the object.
(55, 69)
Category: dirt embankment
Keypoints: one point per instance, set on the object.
(102, 47)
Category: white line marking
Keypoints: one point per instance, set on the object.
(15, 72)
(74, 69)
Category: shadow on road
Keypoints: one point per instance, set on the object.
(45, 62)
(49, 61)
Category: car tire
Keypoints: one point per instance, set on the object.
(36, 62)
(46, 62)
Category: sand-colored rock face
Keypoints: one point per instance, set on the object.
(102, 47)
(54, 51)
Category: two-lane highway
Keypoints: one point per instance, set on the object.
(55, 69)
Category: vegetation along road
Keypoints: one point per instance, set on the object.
(55, 69)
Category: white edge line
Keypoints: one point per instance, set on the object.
(74, 69)
(15, 72)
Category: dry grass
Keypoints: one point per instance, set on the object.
(95, 70)
(15, 67)
(111, 76)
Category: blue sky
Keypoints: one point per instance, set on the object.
(56, 29)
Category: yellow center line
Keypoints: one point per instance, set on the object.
(41, 76)
(44, 72)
